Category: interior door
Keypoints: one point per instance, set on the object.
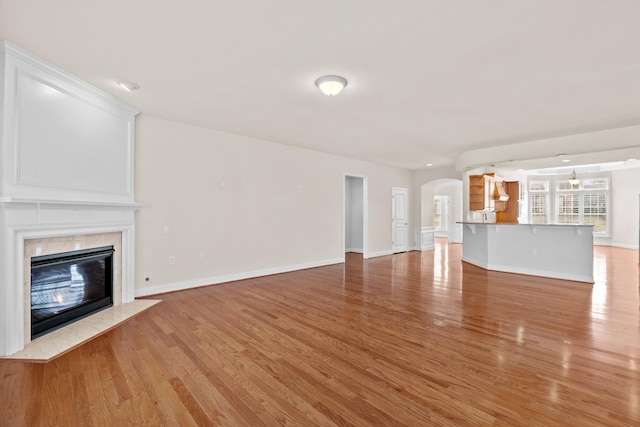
(400, 220)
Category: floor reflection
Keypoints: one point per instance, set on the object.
(599, 293)
(439, 283)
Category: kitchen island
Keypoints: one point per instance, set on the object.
(550, 250)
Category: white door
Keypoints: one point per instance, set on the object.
(400, 220)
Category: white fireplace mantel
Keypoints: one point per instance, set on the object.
(26, 221)
(66, 169)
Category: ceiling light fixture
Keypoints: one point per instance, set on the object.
(331, 85)
(565, 160)
(128, 86)
(429, 164)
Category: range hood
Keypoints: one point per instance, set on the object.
(502, 195)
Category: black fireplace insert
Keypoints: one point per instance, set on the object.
(68, 286)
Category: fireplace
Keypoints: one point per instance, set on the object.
(68, 286)
(66, 185)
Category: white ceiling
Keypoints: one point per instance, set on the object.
(428, 79)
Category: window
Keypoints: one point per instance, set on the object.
(585, 202)
(440, 213)
(539, 202)
(562, 201)
(568, 209)
(595, 212)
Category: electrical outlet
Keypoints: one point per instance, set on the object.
(534, 251)
(172, 260)
(166, 229)
(201, 257)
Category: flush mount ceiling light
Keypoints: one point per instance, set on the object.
(331, 85)
(128, 86)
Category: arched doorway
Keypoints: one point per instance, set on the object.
(441, 208)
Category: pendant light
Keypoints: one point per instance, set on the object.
(572, 179)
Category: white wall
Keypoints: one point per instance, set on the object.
(354, 198)
(625, 191)
(249, 206)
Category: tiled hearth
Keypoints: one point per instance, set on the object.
(60, 341)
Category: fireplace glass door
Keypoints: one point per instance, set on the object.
(68, 286)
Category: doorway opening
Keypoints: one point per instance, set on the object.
(441, 209)
(356, 214)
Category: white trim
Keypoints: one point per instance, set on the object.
(365, 217)
(58, 73)
(381, 253)
(618, 245)
(215, 280)
(427, 239)
(426, 248)
(13, 324)
(529, 271)
(365, 213)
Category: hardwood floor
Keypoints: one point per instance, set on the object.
(414, 339)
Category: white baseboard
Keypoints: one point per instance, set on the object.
(355, 250)
(530, 271)
(423, 248)
(618, 245)
(377, 254)
(196, 283)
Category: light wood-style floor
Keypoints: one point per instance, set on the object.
(416, 339)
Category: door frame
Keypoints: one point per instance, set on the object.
(365, 213)
(407, 210)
